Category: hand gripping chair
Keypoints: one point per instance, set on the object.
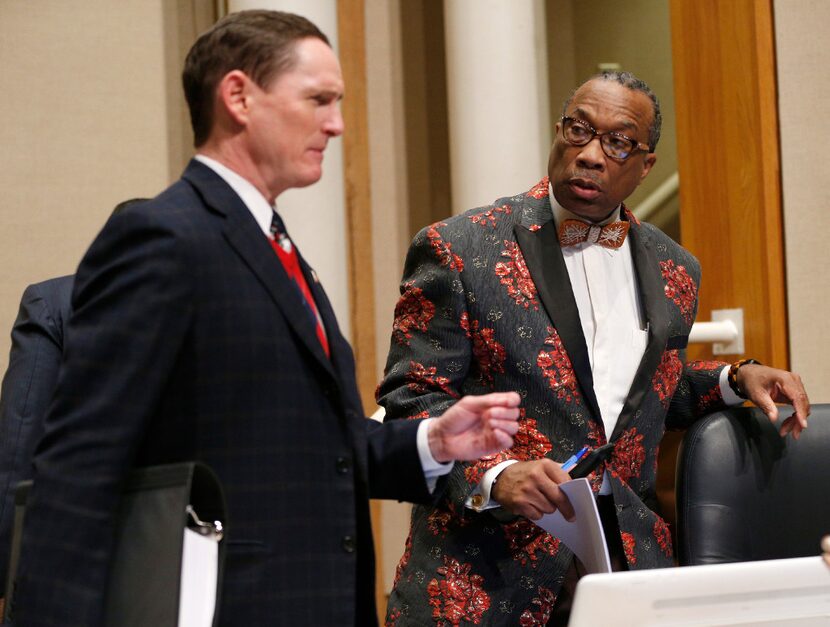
(745, 494)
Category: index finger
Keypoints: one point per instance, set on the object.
(494, 399)
(554, 493)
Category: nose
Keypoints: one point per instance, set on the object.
(333, 124)
(591, 156)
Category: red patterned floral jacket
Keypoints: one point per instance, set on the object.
(486, 305)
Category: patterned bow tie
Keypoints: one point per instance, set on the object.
(573, 232)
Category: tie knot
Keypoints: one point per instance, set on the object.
(573, 232)
(278, 232)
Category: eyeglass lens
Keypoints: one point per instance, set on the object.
(615, 146)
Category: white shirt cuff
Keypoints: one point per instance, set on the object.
(729, 396)
(479, 499)
(433, 470)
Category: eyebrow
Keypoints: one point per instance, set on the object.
(581, 113)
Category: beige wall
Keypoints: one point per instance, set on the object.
(803, 93)
(88, 122)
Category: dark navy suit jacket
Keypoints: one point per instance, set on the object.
(37, 346)
(189, 342)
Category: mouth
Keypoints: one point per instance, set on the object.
(584, 188)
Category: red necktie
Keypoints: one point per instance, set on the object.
(573, 232)
(288, 256)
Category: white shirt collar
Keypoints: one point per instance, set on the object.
(256, 203)
(561, 214)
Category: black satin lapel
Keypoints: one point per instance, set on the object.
(544, 260)
(250, 243)
(655, 304)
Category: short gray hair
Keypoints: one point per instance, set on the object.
(627, 79)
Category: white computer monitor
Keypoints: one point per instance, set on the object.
(773, 593)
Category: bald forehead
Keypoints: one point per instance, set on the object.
(598, 97)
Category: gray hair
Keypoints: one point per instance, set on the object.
(627, 79)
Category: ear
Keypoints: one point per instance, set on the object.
(648, 163)
(233, 96)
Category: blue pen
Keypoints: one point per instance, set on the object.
(574, 459)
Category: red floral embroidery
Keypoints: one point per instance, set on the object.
(629, 215)
(710, 364)
(680, 288)
(438, 521)
(490, 217)
(525, 539)
(538, 616)
(534, 227)
(629, 543)
(709, 399)
(663, 536)
(628, 456)
(392, 618)
(528, 443)
(667, 376)
(489, 354)
(422, 380)
(407, 553)
(413, 312)
(514, 275)
(443, 250)
(418, 416)
(556, 368)
(540, 190)
(459, 596)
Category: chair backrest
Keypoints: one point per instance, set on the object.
(744, 493)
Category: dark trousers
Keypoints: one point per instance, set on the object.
(561, 612)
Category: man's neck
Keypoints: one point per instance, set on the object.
(238, 161)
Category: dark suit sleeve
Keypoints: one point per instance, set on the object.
(37, 344)
(395, 470)
(132, 304)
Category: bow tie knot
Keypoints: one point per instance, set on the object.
(573, 232)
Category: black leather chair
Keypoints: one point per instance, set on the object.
(744, 493)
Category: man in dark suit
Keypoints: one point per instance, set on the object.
(200, 333)
(561, 293)
(37, 348)
(28, 385)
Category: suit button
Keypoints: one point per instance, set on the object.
(477, 501)
(348, 544)
(343, 465)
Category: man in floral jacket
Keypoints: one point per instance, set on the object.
(562, 294)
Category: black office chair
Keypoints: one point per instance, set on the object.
(745, 494)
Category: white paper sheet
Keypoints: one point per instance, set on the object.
(584, 536)
(200, 569)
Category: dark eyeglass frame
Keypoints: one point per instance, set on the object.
(635, 145)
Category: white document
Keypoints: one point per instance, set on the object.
(584, 536)
(200, 572)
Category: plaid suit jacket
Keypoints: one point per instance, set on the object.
(189, 342)
(486, 304)
(37, 345)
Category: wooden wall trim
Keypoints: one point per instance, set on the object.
(729, 165)
(351, 27)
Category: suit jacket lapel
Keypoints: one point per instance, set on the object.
(245, 237)
(546, 265)
(651, 285)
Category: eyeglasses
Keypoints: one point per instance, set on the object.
(615, 145)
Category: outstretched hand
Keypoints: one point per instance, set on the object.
(474, 427)
(767, 386)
